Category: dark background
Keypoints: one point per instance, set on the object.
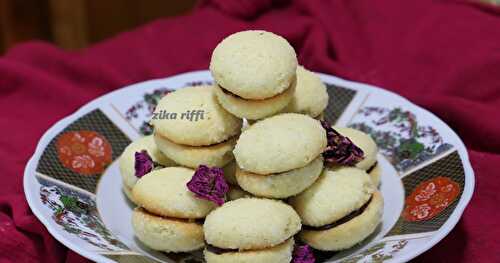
(73, 24)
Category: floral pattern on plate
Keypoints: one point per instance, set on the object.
(78, 215)
(401, 139)
(84, 152)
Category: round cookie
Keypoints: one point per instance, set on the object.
(349, 233)
(214, 123)
(128, 193)
(310, 97)
(280, 143)
(370, 149)
(251, 223)
(164, 192)
(254, 109)
(167, 234)
(192, 156)
(127, 159)
(281, 253)
(280, 185)
(348, 188)
(254, 64)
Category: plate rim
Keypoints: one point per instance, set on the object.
(46, 137)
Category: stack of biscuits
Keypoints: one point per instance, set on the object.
(257, 176)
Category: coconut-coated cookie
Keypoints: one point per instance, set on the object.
(280, 143)
(167, 234)
(337, 192)
(164, 192)
(281, 185)
(254, 109)
(254, 64)
(193, 156)
(127, 159)
(281, 253)
(350, 233)
(214, 123)
(310, 95)
(251, 223)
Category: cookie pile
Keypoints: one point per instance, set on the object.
(246, 169)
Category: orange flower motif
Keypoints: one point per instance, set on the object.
(84, 152)
(430, 198)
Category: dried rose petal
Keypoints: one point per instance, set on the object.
(208, 183)
(303, 254)
(340, 149)
(143, 163)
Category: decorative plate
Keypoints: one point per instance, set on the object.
(73, 186)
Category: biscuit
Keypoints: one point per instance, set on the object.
(363, 141)
(280, 185)
(217, 124)
(164, 192)
(254, 64)
(350, 233)
(128, 193)
(254, 109)
(281, 253)
(167, 234)
(280, 143)
(310, 97)
(336, 193)
(251, 223)
(192, 156)
(127, 158)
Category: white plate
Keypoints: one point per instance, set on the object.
(421, 158)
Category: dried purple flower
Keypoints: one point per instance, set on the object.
(143, 163)
(208, 183)
(340, 149)
(303, 254)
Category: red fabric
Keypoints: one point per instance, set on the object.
(442, 55)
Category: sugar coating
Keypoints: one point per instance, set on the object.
(192, 156)
(336, 193)
(363, 141)
(254, 109)
(164, 192)
(165, 234)
(280, 185)
(280, 143)
(350, 233)
(251, 223)
(254, 64)
(127, 159)
(281, 253)
(216, 126)
(310, 95)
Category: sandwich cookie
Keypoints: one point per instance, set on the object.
(191, 141)
(310, 97)
(169, 214)
(339, 210)
(255, 73)
(251, 230)
(127, 161)
(280, 143)
(370, 149)
(280, 185)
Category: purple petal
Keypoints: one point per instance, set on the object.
(303, 254)
(143, 163)
(340, 149)
(208, 183)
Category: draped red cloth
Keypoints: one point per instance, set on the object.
(442, 55)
